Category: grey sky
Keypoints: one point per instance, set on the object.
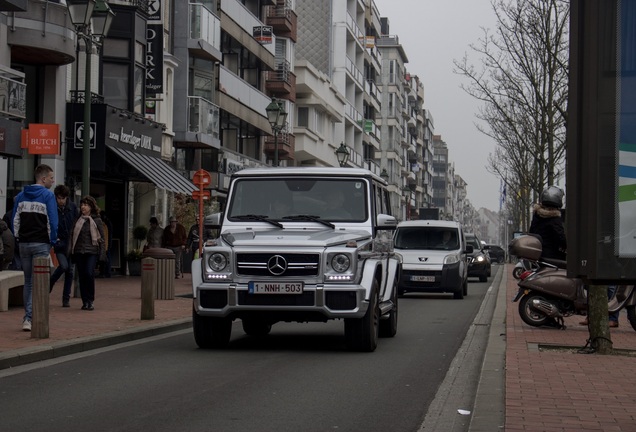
(433, 34)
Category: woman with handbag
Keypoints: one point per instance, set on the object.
(87, 247)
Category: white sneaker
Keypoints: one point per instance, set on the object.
(26, 325)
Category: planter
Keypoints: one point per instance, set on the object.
(134, 268)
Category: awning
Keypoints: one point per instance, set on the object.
(157, 171)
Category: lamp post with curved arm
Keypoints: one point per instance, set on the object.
(92, 20)
(277, 118)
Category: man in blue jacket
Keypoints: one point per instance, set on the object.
(66, 213)
(34, 224)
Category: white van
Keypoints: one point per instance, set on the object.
(433, 257)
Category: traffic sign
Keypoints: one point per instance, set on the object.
(202, 178)
(196, 195)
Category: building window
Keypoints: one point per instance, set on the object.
(116, 85)
(303, 117)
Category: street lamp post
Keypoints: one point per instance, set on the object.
(92, 20)
(342, 153)
(277, 117)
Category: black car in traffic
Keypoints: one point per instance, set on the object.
(497, 253)
(478, 260)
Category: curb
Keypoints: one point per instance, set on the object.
(25, 356)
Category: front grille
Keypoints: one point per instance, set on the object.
(256, 264)
(213, 299)
(304, 299)
(341, 300)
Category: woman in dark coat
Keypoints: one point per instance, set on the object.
(87, 243)
(547, 222)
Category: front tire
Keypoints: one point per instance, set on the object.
(529, 315)
(388, 327)
(211, 332)
(361, 334)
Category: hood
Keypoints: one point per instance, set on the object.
(293, 238)
(546, 212)
(32, 192)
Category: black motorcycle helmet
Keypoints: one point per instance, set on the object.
(552, 197)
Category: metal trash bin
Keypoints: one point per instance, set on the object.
(164, 272)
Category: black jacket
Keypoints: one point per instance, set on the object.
(66, 218)
(548, 223)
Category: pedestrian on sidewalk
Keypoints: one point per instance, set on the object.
(547, 222)
(612, 316)
(87, 244)
(34, 225)
(155, 233)
(67, 213)
(8, 246)
(174, 238)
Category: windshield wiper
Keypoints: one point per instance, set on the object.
(260, 218)
(311, 218)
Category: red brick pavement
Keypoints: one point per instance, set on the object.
(117, 309)
(563, 391)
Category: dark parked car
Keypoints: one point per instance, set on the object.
(497, 253)
(478, 260)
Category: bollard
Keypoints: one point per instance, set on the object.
(148, 281)
(40, 298)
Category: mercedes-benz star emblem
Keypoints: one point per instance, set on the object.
(277, 265)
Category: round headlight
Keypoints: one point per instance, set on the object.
(340, 263)
(217, 262)
(480, 258)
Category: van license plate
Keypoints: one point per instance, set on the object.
(423, 278)
(275, 288)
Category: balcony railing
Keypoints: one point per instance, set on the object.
(245, 19)
(205, 25)
(241, 91)
(14, 94)
(203, 116)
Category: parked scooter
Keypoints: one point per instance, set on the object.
(522, 266)
(547, 295)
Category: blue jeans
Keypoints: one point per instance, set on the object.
(65, 268)
(28, 251)
(86, 271)
(611, 291)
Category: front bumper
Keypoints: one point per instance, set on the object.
(316, 303)
(447, 278)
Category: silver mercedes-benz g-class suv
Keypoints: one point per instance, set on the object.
(299, 245)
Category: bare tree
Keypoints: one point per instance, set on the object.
(523, 81)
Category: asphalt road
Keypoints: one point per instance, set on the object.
(299, 378)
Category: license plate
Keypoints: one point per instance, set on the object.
(423, 278)
(275, 288)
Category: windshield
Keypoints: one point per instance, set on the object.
(429, 238)
(283, 199)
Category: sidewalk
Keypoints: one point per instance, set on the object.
(562, 390)
(555, 390)
(116, 319)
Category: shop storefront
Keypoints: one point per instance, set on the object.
(124, 148)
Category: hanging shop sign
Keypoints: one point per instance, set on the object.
(43, 139)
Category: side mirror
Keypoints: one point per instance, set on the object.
(386, 222)
(213, 221)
